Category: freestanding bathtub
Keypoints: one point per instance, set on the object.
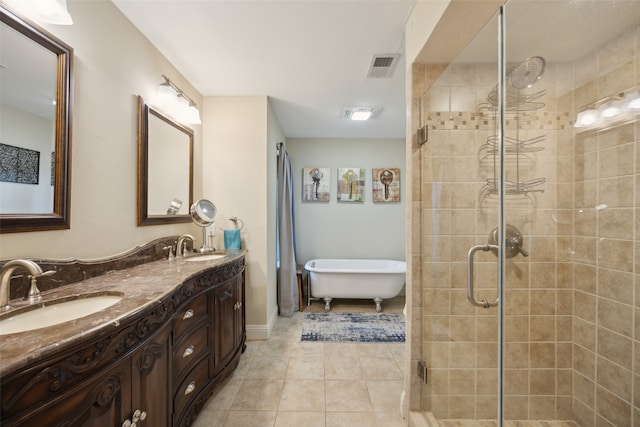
(377, 279)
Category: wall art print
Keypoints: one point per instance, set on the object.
(19, 165)
(351, 184)
(53, 168)
(316, 184)
(386, 184)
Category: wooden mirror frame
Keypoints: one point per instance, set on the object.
(144, 110)
(59, 218)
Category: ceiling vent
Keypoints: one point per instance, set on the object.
(382, 66)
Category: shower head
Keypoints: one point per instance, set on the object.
(527, 72)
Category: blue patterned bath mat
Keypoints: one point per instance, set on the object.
(353, 327)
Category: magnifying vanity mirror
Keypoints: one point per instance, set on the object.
(204, 213)
(165, 168)
(35, 123)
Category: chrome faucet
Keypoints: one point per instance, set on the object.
(181, 250)
(6, 271)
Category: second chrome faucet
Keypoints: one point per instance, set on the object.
(6, 272)
(181, 249)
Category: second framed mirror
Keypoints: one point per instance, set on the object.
(165, 168)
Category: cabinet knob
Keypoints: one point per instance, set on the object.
(138, 415)
(188, 314)
(190, 388)
(188, 351)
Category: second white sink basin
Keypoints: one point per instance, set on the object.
(205, 257)
(55, 312)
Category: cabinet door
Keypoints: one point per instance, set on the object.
(151, 381)
(240, 328)
(225, 309)
(104, 400)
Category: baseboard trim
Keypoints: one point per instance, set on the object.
(262, 332)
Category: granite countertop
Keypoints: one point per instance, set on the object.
(142, 286)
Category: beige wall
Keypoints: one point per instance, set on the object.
(424, 17)
(113, 64)
(239, 151)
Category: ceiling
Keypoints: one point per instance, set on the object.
(310, 57)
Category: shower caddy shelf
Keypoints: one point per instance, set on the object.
(519, 78)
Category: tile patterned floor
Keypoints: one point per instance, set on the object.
(283, 382)
(468, 423)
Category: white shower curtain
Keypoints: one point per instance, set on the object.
(286, 246)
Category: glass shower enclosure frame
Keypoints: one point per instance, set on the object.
(529, 163)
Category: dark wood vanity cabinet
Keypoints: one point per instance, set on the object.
(110, 397)
(228, 309)
(156, 371)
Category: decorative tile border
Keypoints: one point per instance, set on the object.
(465, 120)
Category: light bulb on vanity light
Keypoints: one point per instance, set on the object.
(166, 94)
(610, 109)
(181, 108)
(193, 115)
(632, 101)
(43, 11)
(586, 118)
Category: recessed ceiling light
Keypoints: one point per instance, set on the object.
(360, 113)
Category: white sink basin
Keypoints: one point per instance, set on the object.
(55, 312)
(205, 257)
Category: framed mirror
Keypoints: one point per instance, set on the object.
(165, 168)
(35, 123)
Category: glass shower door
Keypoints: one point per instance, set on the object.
(571, 150)
(535, 152)
(460, 340)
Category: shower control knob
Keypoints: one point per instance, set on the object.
(513, 242)
(522, 251)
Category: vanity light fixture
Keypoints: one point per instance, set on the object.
(609, 111)
(176, 103)
(361, 113)
(43, 11)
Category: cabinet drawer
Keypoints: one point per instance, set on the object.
(191, 386)
(190, 314)
(190, 350)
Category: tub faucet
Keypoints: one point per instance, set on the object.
(6, 271)
(181, 250)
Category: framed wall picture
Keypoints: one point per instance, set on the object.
(316, 184)
(386, 184)
(351, 184)
(19, 165)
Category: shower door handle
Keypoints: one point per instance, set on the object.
(470, 261)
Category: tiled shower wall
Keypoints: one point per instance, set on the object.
(571, 304)
(606, 353)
